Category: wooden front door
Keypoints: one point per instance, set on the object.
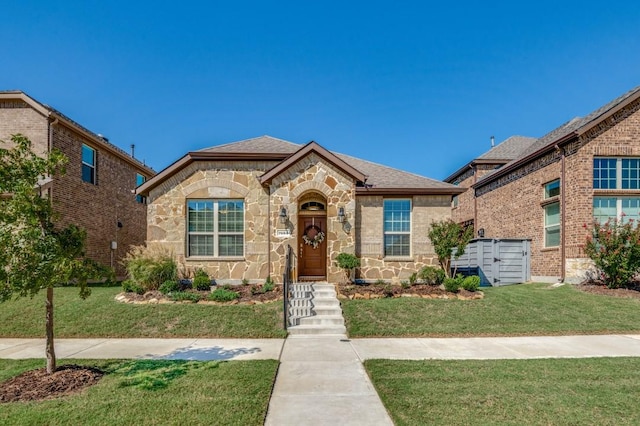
(312, 252)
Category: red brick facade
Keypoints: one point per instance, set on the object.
(511, 205)
(96, 208)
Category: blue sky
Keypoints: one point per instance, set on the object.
(409, 84)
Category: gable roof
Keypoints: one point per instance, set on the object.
(502, 153)
(373, 178)
(564, 134)
(53, 114)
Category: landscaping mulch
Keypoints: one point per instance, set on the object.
(379, 291)
(596, 287)
(245, 293)
(37, 385)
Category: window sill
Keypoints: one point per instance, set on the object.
(614, 192)
(544, 249)
(397, 259)
(215, 259)
(548, 201)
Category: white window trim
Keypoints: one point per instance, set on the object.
(619, 200)
(215, 233)
(410, 232)
(547, 227)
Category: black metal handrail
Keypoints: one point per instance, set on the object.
(286, 281)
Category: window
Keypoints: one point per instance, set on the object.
(620, 208)
(397, 228)
(88, 164)
(616, 173)
(552, 189)
(552, 225)
(621, 174)
(215, 228)
(454, 201)
(140, 179)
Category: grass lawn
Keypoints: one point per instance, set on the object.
(595, 391)
(526, 309)
(153, 392)
(101, 316)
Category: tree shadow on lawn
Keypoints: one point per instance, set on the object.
(215, 353)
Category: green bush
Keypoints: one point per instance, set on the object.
(405, 284)
(169, 287)
(471, 283)
(614, 247)
(269, 285)
(432, 276)
(413, 278)
(223, 295)
(380, 281)
(201, 280)
(180, 296)
(149, 267)
(130, 287)
(348, 262)
(453, 284)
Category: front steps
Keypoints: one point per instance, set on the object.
(315, 310)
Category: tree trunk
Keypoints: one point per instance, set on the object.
(50, 353)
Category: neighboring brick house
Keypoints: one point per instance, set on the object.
(463, 205)
(97, 191)
(587, 169)
(234, 209)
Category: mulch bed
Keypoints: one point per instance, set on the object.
(247, 297)
(379, 291)
(596, 287)
(37, 385)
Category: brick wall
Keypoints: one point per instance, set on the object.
(98, 208)
(18, 117)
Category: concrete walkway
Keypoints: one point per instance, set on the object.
(321, 380)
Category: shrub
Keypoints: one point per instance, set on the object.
(150, 266)
(130, 287)
(405, 284)
(614, 247)
(413, 278)
(432, 276)
(387, 290)
(201, 280)
(471, 283)
(269, 285)
(245, 281)
(453, 284)
(180, 296)
(447, 236)
(223, 295)
(169, 287)
(380, 281)
(348, 262)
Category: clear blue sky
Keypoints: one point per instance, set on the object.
(415, 85)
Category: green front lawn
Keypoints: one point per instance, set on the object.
(596, 391)
(153, 392)
(101, 316)
(526, 309)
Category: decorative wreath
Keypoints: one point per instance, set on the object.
(313, 241)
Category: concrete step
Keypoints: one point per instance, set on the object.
(322, 320)
(325, 303)
(317, 329)
(327, 311)
(324, 294)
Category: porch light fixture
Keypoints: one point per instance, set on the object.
(341, 216)
(283, 215)
(481, 233)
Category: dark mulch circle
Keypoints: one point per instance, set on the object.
(37, 385)
(596, 287)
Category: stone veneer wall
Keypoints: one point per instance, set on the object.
(166, 212)
(313, 174)
(370, 236)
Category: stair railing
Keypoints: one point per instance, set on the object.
(286, 282)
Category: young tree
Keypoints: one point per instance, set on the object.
(35, 253)
(445, 236)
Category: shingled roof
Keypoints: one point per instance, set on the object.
(379, 179)
(564, 133)
(53, 114)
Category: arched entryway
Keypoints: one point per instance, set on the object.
(312, 237)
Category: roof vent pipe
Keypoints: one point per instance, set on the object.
(133, 148)
(493, 141)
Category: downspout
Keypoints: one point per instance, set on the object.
(269, 234)
(475, 201)
(562, 215)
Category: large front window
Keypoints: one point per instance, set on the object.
(621, 174)
(397, 228)
(215, 228)
(616, 208)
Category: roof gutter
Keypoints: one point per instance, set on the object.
(409, 191)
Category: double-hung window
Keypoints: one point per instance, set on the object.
(552, 214)
(620, 174)
(215, 228)
(88, 164)
(397, 228)
(140, 179)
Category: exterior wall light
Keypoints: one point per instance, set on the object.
(481, 233)
(341, 216)
(283, 215)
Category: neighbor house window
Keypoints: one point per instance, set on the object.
(215, 228)
(454, 201)
(397, 228)
(140, 179)
(552, 225)
(88, 164)
(619, 174)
